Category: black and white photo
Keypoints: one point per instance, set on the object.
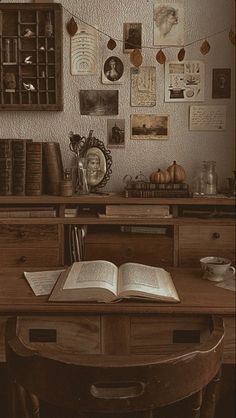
(116, 133)
(132, 36)
(98, 102)
(113, 70)
(149, 126)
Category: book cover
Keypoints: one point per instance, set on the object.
(34, 168)
(19, 166)
(53, 167)
(5, 167)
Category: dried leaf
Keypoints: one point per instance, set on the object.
(72, 27)
(181, 54)
(205, 48)
(136, 57)
(111, 44)
(160, 57)
(232, 36)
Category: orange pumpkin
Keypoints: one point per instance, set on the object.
(160, 176)
(177, 173)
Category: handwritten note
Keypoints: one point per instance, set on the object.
(42, 282)
(207, 118)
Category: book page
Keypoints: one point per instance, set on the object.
(90, 274)
(145, 281)
(42, 282)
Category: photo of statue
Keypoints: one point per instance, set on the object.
(95, 166)
(168, 23)
(113, 70)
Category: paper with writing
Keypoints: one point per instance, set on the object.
(42, 282)
(207, 118)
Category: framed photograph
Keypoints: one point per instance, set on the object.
(84, 51)
(221, 83)
(168, 22)
(97, 162)
(143, 86)
(113, 70)
(150, 127)
(116, 133)
(184, 81)
(132, 36)
(98, 102)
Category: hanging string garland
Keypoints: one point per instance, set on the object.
(136, 56)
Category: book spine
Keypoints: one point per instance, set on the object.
(156, 193)
(34, 168)
(52, 162)
(5, 167)
(19, 166)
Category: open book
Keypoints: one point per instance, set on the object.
(103, 281)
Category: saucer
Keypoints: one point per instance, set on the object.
(229, 274)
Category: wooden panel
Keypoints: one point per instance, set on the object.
(230, 339)
(155, 251)
(205, 240)
(25, 235)
(73, 334)
(155, 335)
(28, 256)
(3, 320)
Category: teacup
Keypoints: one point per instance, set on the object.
(216, 269)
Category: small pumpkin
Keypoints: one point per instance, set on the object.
(160, 176)
(177, 173)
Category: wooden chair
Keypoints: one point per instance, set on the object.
(120, 386)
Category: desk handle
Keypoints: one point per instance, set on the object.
(215, 235)
(23, 259)
(117, 390)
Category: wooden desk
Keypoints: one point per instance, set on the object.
(198, 299)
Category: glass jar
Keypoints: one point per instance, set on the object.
(211, 177)
(199, 181)
(80, 179)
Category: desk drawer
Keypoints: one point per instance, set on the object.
(28, 256)
(196, 241)
(25, 235)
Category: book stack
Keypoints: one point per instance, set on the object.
(23, 166)
(76, 242)
(148, 189)
(135, 211)
(28, 212)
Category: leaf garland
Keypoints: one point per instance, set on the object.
(205, 47)
(181, 54)
(72, 27)
(111, 44)
(160, 57)
(136, 57)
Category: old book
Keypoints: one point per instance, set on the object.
(34, 168)
(138, 210)
(19, 166)
(103, 281)
(5, 166)
(53, 167)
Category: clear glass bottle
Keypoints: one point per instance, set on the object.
(199, 181)
(211, 177)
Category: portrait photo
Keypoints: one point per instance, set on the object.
(98, 102)
(95, 164)
(116, 133)
(113, 70)
(132, 36)
(150, 127)
(221, 83)
(168, 23)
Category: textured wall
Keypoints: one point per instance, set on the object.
(187, 147)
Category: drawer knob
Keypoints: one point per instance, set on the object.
(216, 235)
(23, 258)
(21, 234)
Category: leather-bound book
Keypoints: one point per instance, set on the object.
(5, 167)
(52, 167)
(19, 166)
(34, 163)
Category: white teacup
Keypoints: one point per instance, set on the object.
(216, 269)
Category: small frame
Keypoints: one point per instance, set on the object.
(150, 127)
(221, 83)
(113, 70)
(98, 161)
(99, 102)
(116, 133)
(132, 36)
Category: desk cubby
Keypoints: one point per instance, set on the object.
(30, 56)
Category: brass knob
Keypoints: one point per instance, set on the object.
(23, 258)
(216, 235)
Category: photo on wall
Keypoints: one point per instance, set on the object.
(99, 102)
(143, 86)
(84, 51)
(132, 36)
(184, 81)
(168, 22)
(150, 127)
(221, 83)
(113, 70)
(116, 133)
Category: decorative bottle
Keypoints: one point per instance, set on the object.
(211, 177)
(199, 182)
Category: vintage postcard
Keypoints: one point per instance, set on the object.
(184, 81)
(143, 86)
(221, 83)
(113, 70)
(168, 22)
(98, 102)
(116, 133)
(132, 36)
(84, 51)
(207, 118)
(150, 127)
